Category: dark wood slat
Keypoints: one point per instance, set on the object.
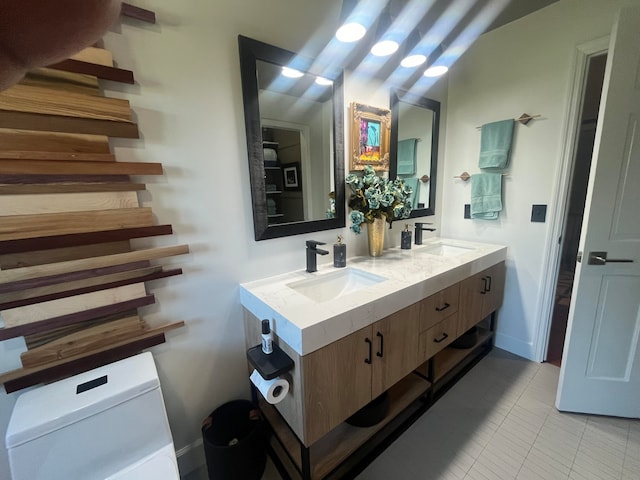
(58, 156)
(55, 179)
(69, 277)
(73, 240)
(81, 364)
(93, 288)
(59, 123)
(138, 13)
(72, 318)
(70, 188)
(46, 167)
(100, 71)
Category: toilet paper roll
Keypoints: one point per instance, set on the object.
(273, 390)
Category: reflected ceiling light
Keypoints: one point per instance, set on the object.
(436, 71)
(385, 45)
(323, 81)
(412, 58)
(351, 28)
(384, 48)
(291, 72)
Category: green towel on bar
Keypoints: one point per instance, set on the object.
(495, 144)
(407, 156)
(486, 195)
(415, 187)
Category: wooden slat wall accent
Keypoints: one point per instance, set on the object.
(138, 13)
(69, 281)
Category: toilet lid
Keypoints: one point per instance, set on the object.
(159, 467)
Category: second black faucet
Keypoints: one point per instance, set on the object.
(312, 251)
(420, 227)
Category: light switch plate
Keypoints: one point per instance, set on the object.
(538, 213)
(467, 210)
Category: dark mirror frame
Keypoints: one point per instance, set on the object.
(398, 96)
(251, 51)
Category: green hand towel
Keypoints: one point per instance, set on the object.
(495, 144)
(486, 195)
(407, 156)
(415, 187)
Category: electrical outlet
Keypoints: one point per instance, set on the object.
(467, 210)
(538, 213)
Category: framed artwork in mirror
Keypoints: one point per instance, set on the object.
(291, 174)
(369, 144)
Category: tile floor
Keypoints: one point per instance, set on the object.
(499, 423)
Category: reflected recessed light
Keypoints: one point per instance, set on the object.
(323, 81)
(384, 48)
(413, 60)
(351, 32)
(291, 72)
(435, 71)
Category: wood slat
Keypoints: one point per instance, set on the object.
(64, 81)
(99, 56)
(23, 378)
(73, 318)
(73, 240)
(66, 202)
(84, 341)
(100, 71)
(39, 271)
(57, 156)
(20, 140)
(66, 124)
(38, 312)
(58, 179)
(138, 13)
(91, 285)
(69, 276)
(45, 101)
(45, 167)
(28, 189)
(49, 224)
(41, 257)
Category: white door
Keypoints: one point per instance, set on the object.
(601, 363)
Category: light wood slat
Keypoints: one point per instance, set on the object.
(68, 124)
(17, 140)
(66, 202)
(57, 308)
(45, 167)
(26, 189)
(84, 341)
(72, 286)
(66, 156)
(41, 257)
(100, 71)
(23, 378)
(65, 81)
(61, 179)
(45, 101)
(99, 56)
(44, 225)
(28, 273)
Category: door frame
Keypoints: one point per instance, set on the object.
(553, 248)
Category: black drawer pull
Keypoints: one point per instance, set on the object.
(484, 286)
(368, 360)
(441, 339)
(381, 352)
(440, 309)
(489, 287)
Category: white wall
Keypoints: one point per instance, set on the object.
(525, 66)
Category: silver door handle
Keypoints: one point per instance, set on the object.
(600, 258)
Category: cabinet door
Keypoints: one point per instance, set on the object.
(495, 288)
(395, 348)
(337, 382)
(471, 302)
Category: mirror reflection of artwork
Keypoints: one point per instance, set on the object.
(370, 128)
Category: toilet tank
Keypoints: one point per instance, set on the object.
(91, 425)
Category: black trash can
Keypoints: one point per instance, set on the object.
(234, 438)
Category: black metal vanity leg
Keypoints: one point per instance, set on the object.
(306, 462)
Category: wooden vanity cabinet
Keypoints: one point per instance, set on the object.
(480, 295)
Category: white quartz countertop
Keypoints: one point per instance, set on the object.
(408, 277)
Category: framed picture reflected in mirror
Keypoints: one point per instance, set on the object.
(369, 144)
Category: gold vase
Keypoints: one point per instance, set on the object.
(375, 232)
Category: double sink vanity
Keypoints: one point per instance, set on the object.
(379, 325)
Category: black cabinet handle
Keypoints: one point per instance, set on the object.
(381, 352)
(484, 286)
(440, 309)
(489, 287)
(441, 339)
(368, 360)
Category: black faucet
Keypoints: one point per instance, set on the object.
(419, 228)
(312, 251)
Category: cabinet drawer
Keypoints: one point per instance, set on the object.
(439, 306)
(438, 337)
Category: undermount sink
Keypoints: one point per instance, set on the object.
(330, 286)
(446, 250)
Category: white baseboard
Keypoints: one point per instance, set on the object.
(190, 457)
(515, 346)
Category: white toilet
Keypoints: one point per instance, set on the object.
(108, 424)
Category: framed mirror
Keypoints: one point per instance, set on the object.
(294, 124)
(415, 126)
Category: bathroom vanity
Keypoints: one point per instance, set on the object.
(380, 325)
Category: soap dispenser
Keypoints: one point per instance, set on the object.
(405, 238)
(339, 253)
